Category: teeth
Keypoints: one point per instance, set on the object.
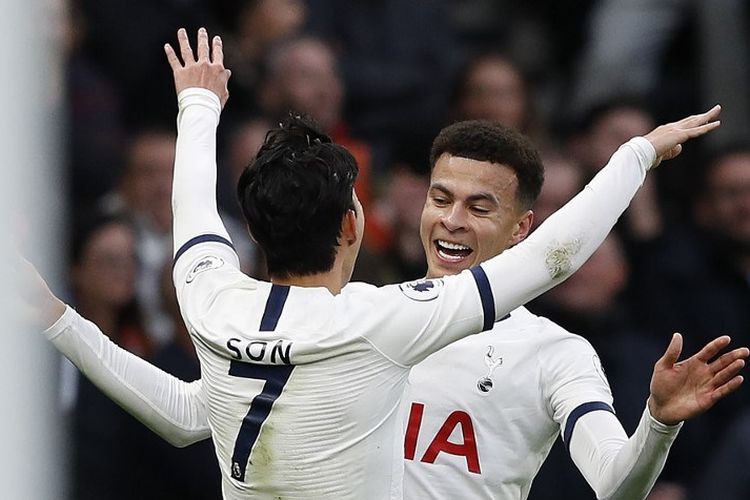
(450, 258)
(452, 246)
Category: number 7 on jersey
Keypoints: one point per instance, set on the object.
(276, 376)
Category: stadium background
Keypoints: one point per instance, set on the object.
(89, 130)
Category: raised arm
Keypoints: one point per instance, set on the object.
(620, 468)
(170, 407)
(568, 238)
(201, 86)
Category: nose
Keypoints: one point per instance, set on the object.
(454, 218)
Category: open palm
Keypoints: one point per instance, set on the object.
(685, 389)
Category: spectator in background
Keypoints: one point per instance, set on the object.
(493, 87)
(563, 179)
(697, 281)
(255, 26)
(302, 76)
(144, 193)
(600, 133)
(397, 57)
(103, 272)
(170, 473)
(628, 42)
(394, 251)
(700, 281)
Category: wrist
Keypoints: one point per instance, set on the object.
(658, 414)
(51, 312)
(199, 96)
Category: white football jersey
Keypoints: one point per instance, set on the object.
(303, 386)
(483, 413)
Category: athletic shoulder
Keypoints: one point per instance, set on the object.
(550, 337)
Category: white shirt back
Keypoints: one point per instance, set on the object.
(303, 387)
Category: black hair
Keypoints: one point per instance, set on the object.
(490, 141)
(294, 196)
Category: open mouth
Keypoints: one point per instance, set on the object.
(452, 252)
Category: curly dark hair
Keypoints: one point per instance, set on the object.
(294, 195)
(490, 141)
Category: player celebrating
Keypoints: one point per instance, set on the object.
(302, 376)
(475, 431)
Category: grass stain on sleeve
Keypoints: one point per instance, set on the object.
(559, 258)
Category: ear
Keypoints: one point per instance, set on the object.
(523, 227)
(349, 234)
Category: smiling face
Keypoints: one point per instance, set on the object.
(471, 214)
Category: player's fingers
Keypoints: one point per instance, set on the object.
(702, 129)
(172, 58)
(728, 388)
(712, 113)
(713, 348)
(726, 359)
(700, 118)
(185, 50)
(202, 44)
(672, 354)
(217, 50)
(728, 373)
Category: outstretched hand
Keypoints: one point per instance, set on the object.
(668, 139)
(685, 389)
(207, 71)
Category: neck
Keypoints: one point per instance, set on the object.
(329, 279)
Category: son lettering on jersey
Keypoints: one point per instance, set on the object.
(261, 351)
(440, 443)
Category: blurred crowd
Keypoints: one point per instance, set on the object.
(382, 77)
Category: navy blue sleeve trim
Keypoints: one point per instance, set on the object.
(578, 413)
(274, 306)
(203, 238)
(485, 293)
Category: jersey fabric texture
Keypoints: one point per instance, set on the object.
(301, 384)
(492, 405)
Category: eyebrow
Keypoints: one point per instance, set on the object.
(480, 196)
